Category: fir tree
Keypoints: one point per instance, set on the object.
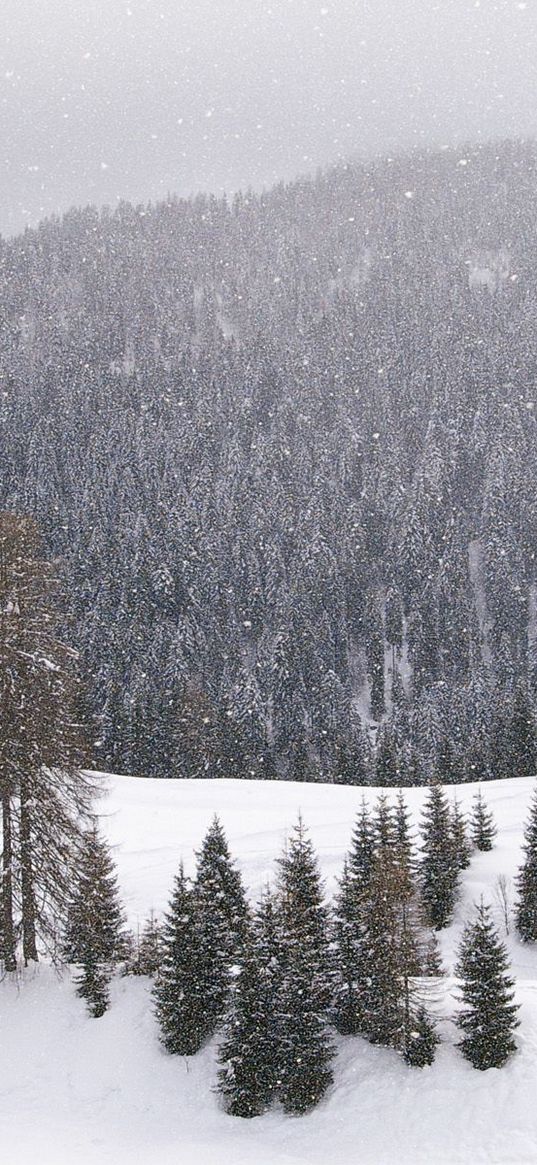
(439, 866)
(305, 1046)
(489, 1016)
(526, 909)
(482, 827)
(250, 1052)
(178, 990)
(95, 939)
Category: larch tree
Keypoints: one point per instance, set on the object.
(45, 795)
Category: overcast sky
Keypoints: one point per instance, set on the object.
(101, 99)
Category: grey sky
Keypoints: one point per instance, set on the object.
(101, 99)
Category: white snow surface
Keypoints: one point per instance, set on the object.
(76, 1089)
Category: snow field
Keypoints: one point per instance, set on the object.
(76, 1089)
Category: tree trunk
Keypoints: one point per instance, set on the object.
(8, 928)
(29, 944)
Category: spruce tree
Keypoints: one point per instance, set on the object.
(421, 1039)
(178, 990)
(250, 1052)
(482, 827)
(362, 851)
(382, 996)
(439, 866)
(459, 834)
(147, 952)
(526, 909)
(95, 939)
(403, 836)
(489, 1016)
(306, 1048)
(383, 823)
(221, 921)
(349, 963)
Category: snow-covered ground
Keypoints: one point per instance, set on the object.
(80, 1090)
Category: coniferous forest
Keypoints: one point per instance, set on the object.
(283, 447)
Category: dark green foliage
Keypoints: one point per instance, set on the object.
(526, 909)
(221, 922)
(362, 851)
(459, 835)
(305, 1048)
(421, 1040)
(382, 988)
(403, 836)
(489, 1016)
(383, 824)
(348, 908)
(482, 827)
(179, 988)
(95, 939)
(250, 1052)
(439, 868)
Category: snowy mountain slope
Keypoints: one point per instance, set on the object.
(77, 1089)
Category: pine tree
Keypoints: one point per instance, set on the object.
(95, 939)
(306, 1049)
(489, 1016)
(526, 909)
(222, 918)
(482, 827)
(421, 1040)
(439, 866)
(178, 990)
(250, 1052)
(459, 835)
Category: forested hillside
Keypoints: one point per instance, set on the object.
(285, 448)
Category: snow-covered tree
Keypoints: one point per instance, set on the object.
(179, 987)
(488, 1018)
(95, 939)
(482, 827)
(526, 908)
(439, 868)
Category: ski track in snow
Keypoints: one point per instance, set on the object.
(75, 1089)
